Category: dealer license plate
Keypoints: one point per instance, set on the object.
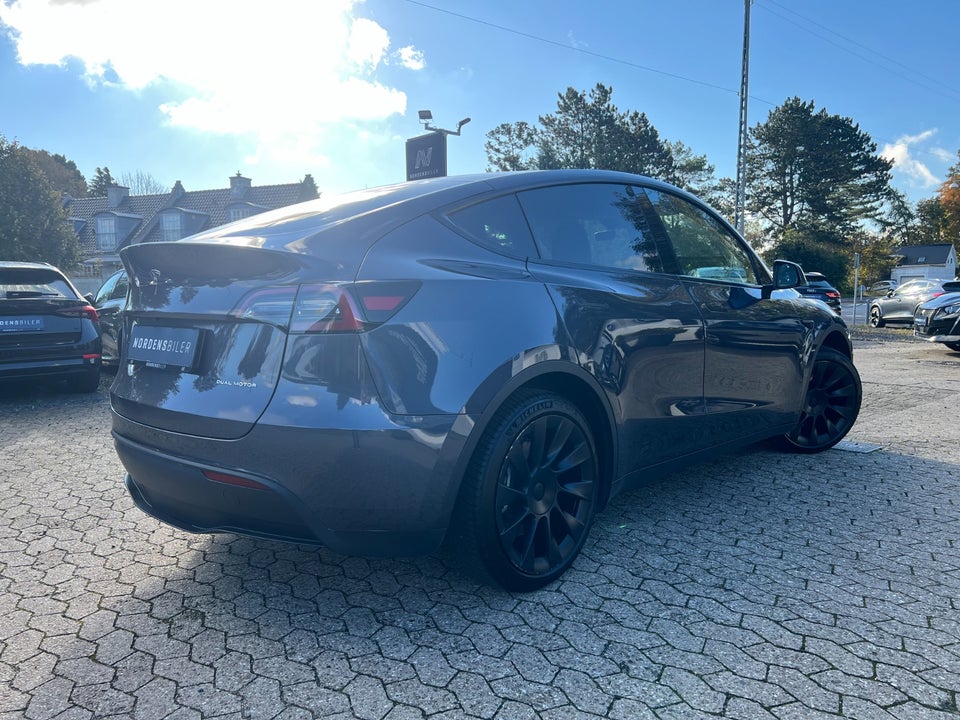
(164, 346)
(20, 324)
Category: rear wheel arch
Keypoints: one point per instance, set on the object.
(571, 382)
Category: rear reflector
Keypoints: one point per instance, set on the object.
(227, 479)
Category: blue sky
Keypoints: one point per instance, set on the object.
(198, 90)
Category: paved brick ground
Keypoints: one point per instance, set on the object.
(757, 586)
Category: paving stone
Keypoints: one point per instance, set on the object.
(755, 586)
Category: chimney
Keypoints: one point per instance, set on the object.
(116, 194)
(239, 186)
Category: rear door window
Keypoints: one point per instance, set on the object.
(597, 224)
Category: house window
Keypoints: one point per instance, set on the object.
(170, 228)
(237, 213)
(106, 231)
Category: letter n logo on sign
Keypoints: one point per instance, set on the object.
(423, 158)
(427, 156)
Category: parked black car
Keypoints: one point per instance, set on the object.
(900, 304)
(48, 331)
(938, 320)
(818, 287)
(486, 359)
(109, 302)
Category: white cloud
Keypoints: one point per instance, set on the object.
(412, 58)
(943, 154)
(286, 72)
(903, 161)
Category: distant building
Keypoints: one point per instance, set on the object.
(105, 225)
(925, 262)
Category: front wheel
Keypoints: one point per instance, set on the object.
(875, 319)
(529, 494)
(831, 405)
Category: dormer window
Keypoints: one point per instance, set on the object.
(170, 226)
(106, 231)
(237, 213)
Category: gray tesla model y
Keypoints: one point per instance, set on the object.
(484, 360)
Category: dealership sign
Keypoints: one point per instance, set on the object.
(427, 156)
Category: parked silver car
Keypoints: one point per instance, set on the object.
(900, 304)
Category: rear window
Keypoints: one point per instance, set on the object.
(17, 283)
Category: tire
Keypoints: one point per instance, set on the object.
(831, 404)
(875, 319)
(87, 383)
(953, 346)
(529, 494)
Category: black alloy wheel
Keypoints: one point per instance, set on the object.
(875, 319)
(831, 405)
(530, 494)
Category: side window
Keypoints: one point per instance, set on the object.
(106, 292)
(703, 247)
(120, 289)
(498, 224)
(596, 224)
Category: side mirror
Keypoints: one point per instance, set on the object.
(786, 274)
(89, 298)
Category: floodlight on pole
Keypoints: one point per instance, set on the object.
(426, 116)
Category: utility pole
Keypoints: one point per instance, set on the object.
(742, 134)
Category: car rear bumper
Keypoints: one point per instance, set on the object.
(54, 368)
(360, 492)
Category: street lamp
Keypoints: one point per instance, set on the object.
(426, 116)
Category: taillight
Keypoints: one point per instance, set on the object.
(832, 294)
(80, 311)
(350, 307)
(271, 305)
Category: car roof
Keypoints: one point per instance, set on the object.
(346, 226)
(405, 202)
(24, 265)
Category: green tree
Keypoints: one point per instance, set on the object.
(588, 131)
(509, 146)
(815, 252)
(931, 221)
(63, 174)
(33, 224)
(102, 179)
(812, 171)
